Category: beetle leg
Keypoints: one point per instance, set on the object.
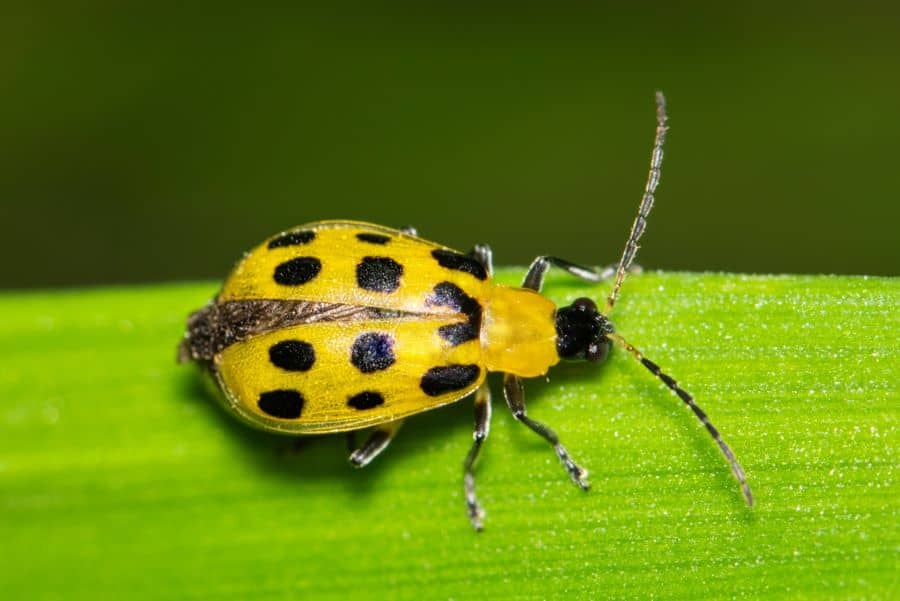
(377, 442)
(534, 279)
(515, 398)
(484, 255)
(482, 428)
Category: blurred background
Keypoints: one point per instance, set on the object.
(156, 143)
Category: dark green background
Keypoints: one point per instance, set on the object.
(142, 144)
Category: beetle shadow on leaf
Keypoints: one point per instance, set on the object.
(273, 453)
(304, 458)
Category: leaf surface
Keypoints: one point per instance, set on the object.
(121, 477)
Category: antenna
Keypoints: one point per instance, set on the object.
(736, 468)
(640, 222)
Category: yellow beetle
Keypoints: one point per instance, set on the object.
(337, 326)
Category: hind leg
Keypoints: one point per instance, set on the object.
(377, 442)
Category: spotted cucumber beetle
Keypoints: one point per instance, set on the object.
(337, 326)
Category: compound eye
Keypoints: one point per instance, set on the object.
(585, 304)
(598, 352)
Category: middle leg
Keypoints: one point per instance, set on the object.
(483, 254)
(482, 428)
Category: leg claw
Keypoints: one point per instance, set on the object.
(476, 516)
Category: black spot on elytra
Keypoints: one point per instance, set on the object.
(366, 400)
(292, 355)
(458, 262)
(439, 380)
(297, 271)
(283, 404)
(373, 351)
(457, 333)
(292, 239)
(447, 294)
(373, 238)
(379, 274)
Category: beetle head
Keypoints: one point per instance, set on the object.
(581, 331)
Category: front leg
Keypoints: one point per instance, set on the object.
(515, 399)
(534, 279)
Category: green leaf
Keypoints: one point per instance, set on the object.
(121, 477)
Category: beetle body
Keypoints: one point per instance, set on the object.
(385, 325)
(338, 326)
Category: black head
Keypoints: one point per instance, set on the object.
(581, 331)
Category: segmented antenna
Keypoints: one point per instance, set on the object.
(640, 222)
(736, 468)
